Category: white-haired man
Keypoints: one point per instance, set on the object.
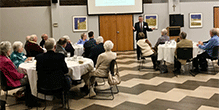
(32, 48)
(51, 67)
(97, 50)
(162, 39)
(69, 47)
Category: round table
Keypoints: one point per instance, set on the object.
(79, 49)
(166, 52)
(76, 70)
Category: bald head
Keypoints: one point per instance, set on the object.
(27, 38)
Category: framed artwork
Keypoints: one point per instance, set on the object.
(195, 20)
(152, 20)
(80, 23)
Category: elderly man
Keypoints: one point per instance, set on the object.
(102, 68)
(89, 44)
(184, 43)
(60, 46)
(97, 50)
(162, 39)
(208, 47)
(69, 47)
(51, 67)
(44, 38)
(32, 48)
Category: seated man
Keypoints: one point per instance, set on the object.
(145, 47)
(69, 47)
(97, 50)
(51, 67)
(208, 47)
(44, 38)
(102, 68)
(162, 39)
(32, 48)
(89, 44)
(183, 43)
(60, 46)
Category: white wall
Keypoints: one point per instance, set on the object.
(0, 25)
(17, 23)
(67, 12)
(198, 34)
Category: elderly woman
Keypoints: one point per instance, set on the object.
(102, 67)
(145, 47)
(18, 57)
(69, 47)
(83, 39)
(14, 78)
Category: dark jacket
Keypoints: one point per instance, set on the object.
(88, 45)
(70, 49)
(95, 52)
(51, 68)
(145, 29)
(42, 43)
(33, 49)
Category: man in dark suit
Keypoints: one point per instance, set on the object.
(32, 48)
(97, 50)
(89, 44)
(51, 67)
(141, 26)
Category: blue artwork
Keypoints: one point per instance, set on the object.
(80, 23)
(198, 16)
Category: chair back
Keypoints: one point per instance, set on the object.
(184, 53)
(3, 81)
(215, 52)
(112, 67)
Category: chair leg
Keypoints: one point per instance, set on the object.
(6, 96)
(45, 102)
(111, 89)
(213, 66)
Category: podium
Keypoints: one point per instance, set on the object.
(173, 32)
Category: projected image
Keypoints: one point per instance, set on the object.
(80, 23)
(114, 2)
(195, 20)
(152, 20)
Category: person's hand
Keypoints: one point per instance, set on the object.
(199, 42)
(28, 59)
(133, 28)
(153, 28)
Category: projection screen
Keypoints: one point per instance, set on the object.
(98, 7)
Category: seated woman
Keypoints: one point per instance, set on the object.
(83, 39)
(102, 67)
(14, 78)
(146, 50)
(18, 57)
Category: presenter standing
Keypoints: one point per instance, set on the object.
(141, 26)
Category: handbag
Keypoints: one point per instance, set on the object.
(114, 78)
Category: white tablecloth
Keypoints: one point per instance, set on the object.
(79, 49)
(76, 70)
(166, 52)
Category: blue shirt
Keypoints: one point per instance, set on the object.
(208, 47)
(18, 58)
(81, 41)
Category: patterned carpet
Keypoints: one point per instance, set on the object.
(149, 90)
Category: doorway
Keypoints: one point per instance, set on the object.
(118, 29)
(216, 17)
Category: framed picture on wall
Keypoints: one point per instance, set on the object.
(79, 23)
(195, 20)
(152, 20)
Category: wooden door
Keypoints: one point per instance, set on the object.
(216, 17)
(118, 29)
